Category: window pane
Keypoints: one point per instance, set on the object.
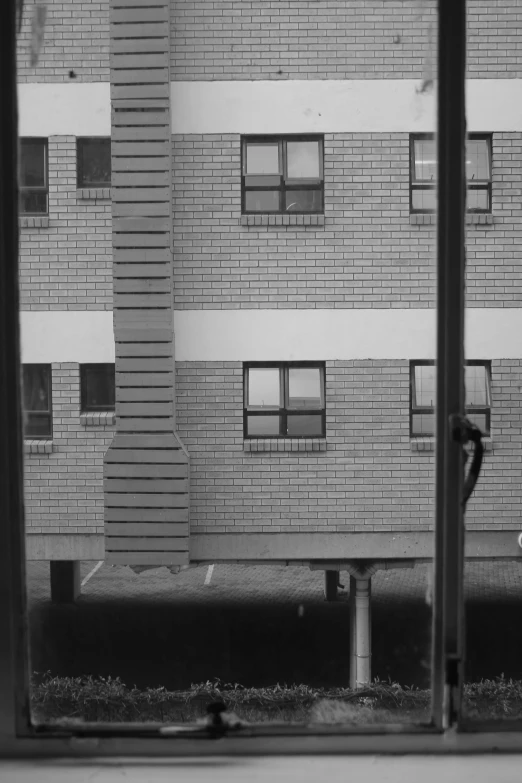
(36, 387)
(262, 201)
(424, 385)
(304, 387)
(476, 385)
(477, 159)
(262, 158)
(424, 199)
(423, 424)
(425, 161)
(302, 160)
(33, 202)
(303, 201)
(264, 387)
(32, 164)
(98, 391)
(94, 162)
(37, 426)
(263, 425)
(311, 425)
(477, 199)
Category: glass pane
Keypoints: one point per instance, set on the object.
(94, 162)
(424, 199)
(99, 388)
(263, 425)
(477, 159)
(33, 202)
(302, 160)
(425, 160)
(304, 387)
(425, 375)
(36, 388)
(304, 201)
(310, 425)
(423, 424)
(264, 387)
(262, 158)
(262, 201)
(475, 380)
(32, 164)
(37, 426)
(480, 420)
(477, 199)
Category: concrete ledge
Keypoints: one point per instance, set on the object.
(33, 221)
(285, 444)
(93, 194)
(282, 220)
(472, 218)
(428, 444)
(38, 446)
(99, 419)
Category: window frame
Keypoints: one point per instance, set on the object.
(48, 414)
(283, 411)
(485, 185)
(80, 141)
(84, 370)
(39, 188)
(428, 410)
(286, 184)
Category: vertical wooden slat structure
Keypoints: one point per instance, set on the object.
(146, 466)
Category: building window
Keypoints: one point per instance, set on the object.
(282, 174)
(33, 179)
(37, 401)
(284, 400)
(423, 173)
(97, 387)
(94, 162)
(477, 378)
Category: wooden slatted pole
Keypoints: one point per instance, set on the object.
(146, 467)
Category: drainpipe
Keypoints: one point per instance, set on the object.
(360, 624)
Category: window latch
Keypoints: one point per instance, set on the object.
(218, 723)
(463, 431)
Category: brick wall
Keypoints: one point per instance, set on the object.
(67, 265)
(367, 254)
(369, 478)
(64, 489)
(76, 38)
(334, 39)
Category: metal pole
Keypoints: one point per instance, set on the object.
(448, 627)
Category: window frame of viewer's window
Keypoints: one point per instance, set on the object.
(280, 182)
(86, 405)
(35, 189)
(82, 142)
(430, 185)
(285, 410)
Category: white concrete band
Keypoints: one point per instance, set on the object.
(82, 109)
(61, 336)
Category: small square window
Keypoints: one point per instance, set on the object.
(94, 162)
(284, 400)
(97, 386)
(37, 401)
(282, 175)
(477, 379)
(423, 173)
(33, 177)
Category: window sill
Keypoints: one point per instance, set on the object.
(37, 446)
(472, 218)
(428, 444)
(34, 221)
(282, 220)
(93, 194)
(285, 444)
(99, 419)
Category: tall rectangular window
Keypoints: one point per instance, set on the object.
(37, 401)
(282, 174)
(284, 400)
(97, 387)
(423, 173)
(477, 376)
(33, 177)
(93, 162)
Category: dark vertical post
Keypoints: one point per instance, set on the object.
(331, 580)
(13, 632)
(448, 630)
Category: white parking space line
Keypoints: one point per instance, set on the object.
(91, 573)
(209, 574)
